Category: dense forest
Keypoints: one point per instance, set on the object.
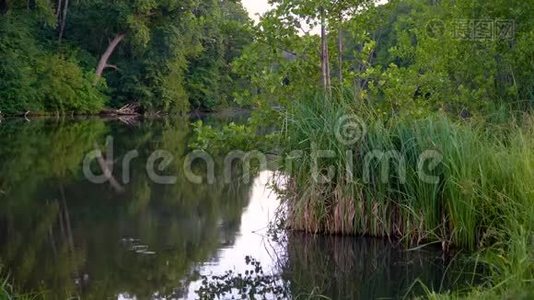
(173, 56)
(404, 57)
(81, 56)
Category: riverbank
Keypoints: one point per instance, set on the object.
(465, 184)
(133, 110)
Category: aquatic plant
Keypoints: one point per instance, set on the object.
(252, 284)
(377, 188)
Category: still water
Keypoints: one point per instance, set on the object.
(68, 238)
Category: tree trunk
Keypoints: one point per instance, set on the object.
(323, 55)
(107, 168)
(58, 10)
(63, 20)
(328, 72)
(325, 67)
(340, 50)
(103, 63)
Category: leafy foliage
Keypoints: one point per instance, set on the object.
(395, 58)
(222, 140)
(225, 31)
(171, 53)
(33, 79)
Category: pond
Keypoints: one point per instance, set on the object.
(67, 237)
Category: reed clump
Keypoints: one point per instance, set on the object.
(458, 183)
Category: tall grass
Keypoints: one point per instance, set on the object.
(8, 292)
(485, 177)
(483, 200)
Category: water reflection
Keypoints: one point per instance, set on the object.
(70, 238)
(364, 268)
(252, 238)
(64, 235)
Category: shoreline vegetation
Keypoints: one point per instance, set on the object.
(482, 202)
(228, 112)
(474, 176)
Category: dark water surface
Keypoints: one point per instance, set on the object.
(69, 238)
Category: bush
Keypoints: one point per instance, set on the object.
(34, 79)
(64, 87)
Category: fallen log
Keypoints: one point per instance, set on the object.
(130, 109)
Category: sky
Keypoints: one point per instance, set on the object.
(256, 6)
(260, 6)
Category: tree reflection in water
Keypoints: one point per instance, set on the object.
(62, 234)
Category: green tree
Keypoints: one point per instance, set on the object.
(162, 54)
(226, 31)
(329, 15)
